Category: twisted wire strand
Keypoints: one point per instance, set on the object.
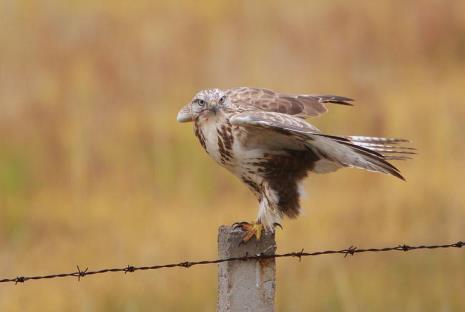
(352, 250)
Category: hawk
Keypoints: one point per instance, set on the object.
(263, 138)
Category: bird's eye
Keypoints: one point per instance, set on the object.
(200, 102)
(222, 99)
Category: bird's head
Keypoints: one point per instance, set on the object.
(203, 103)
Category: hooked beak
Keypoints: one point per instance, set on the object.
(185, 114)
(214, 108)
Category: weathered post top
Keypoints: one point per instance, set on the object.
(245, 285)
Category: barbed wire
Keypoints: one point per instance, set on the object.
(352, 250)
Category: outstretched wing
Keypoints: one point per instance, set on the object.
(300, 105)
(333, 152)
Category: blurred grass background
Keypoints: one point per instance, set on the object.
(95, 171)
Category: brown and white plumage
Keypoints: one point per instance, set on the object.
(262, 137)
(302, 105)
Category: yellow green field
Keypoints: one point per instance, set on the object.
(95, 171)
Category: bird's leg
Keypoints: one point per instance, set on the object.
(251, 229)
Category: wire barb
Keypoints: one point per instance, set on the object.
(352, 250)
(405, 247)
(186, 264)
(299, 254)
(19, 279)
(80, 273)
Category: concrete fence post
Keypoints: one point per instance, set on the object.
(245, 285)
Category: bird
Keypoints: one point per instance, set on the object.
(263, 138)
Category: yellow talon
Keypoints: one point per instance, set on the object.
(251, 229)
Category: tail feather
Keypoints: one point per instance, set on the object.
(379, 140)
(388, 151)
(374, 161)
(374, 145)
(397, 157)
(384, 146)
(369, 153)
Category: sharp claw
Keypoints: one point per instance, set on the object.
(278, 225)
(236, 225)
(250, 230)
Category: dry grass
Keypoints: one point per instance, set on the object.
(95, 171)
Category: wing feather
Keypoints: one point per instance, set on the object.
(301, 105)
(341, 151)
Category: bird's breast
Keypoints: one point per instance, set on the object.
(215, 136)
(231, 147)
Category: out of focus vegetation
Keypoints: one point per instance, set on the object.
(95, 171)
